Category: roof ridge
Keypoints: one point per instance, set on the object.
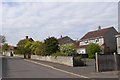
(96, 33)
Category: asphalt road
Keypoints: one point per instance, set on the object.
(15, 67)
(19, 68)
(0, 67)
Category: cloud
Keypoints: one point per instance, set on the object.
(43, 19)
(60, 0)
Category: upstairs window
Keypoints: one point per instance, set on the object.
(97, 40)
(86, 41)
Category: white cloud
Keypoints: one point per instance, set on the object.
(40, 20)
(60, 0)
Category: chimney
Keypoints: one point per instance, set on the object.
(61, 36)
(26, 37)
(99, 27)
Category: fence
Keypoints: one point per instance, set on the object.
(107, 62)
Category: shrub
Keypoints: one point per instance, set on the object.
(92, 49)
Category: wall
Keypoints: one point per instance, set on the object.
(110, 40)
(81, 51)
(118, 44)
(100, 41)
(59, 59)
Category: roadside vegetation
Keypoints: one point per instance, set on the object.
(92, 49)
(49, 46)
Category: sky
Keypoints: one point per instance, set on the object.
(40, 20)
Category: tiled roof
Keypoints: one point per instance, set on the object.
(97, 33)
(10, 47)
(65, 40)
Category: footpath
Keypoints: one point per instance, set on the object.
(88, 71)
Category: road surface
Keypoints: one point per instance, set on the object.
(20, 68)
(15, 67)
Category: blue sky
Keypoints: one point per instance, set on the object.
(42, 19)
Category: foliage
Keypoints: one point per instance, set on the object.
(68, 49)
(5, 47)
(27, 46)
(92, 49)
(23, 46)
(38, 48)
(51, 45)
(2, 39)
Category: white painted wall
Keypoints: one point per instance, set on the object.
(99, 42)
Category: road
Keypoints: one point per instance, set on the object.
(20, 68)
(16, 67)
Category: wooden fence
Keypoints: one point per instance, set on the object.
(107, 62)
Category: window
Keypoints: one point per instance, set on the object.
(86, 42)
(97, 40)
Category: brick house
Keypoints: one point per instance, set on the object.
(9, 51)
(103, 37)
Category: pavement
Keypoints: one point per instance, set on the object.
(15, 67)
(88, 71)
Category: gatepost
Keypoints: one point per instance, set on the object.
(97, 62)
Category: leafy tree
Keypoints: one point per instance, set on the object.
(22, 46)
(38, 48)
(68, 49)
(92, 49)
(51, 45)
(27, 47)
(5, 47)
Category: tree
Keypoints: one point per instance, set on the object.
(2, 39)
(27, 47)
(51, 45)
(21, 49)
(68, 49)
(5, 47)
(92, 49)
(38, 48)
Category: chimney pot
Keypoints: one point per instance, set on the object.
(26, 37)
(61, 36)
(99, 27)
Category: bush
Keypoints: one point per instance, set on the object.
(68, 49)
(78, 61)
(92, 49)
(51, 45)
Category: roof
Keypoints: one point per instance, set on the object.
(97, 33)
(65, 40)
(10, 47)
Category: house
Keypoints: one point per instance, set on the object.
(9, 51)
(118, 43)
(103, 37)
(65, 40)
